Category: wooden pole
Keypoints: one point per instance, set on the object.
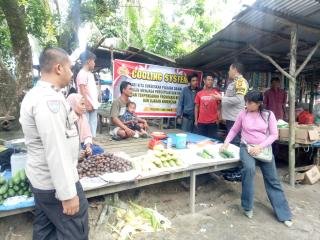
(292, 76)
(312, 89)
(292, 98)
(112, 70)
(111, 61)
(192, 191)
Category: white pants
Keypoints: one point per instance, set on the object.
(93, 121)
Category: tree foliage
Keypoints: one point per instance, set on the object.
(192, 23)
(162, 38)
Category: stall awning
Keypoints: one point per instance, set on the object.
(266, 25)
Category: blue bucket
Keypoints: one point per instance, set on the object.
(181, 140)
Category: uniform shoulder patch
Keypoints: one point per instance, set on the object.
(241, 86)
(53, 105)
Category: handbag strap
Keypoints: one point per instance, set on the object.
(268, 119)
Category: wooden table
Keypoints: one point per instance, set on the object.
(138, 147)
(316, 158)
(191, 172)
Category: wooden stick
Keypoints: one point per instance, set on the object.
(272, 61)
(307, 59)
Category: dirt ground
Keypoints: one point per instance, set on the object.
(218, 215)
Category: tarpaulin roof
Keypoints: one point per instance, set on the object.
(267, 26)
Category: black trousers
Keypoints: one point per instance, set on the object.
(51, 224)
(236, 140)
(209, 130)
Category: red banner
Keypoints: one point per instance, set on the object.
(156, 88)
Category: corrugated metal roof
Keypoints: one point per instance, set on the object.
(269, 33)
(131, 54)
(301, 8)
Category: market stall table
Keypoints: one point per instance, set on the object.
(316, 145)
(137, 147)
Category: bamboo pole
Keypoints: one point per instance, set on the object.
(292, 98)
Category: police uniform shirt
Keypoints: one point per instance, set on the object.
(233, 101)
(52, 140)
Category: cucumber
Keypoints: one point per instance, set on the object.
(10, 183)
(223, 155)
(2, 180)
(16, 179)
(20, 192)
(23, 175)
(208, 153)
(205, 155)
(5, 196)
(16, 188)
(228, 154)
(11, 193)
(4, 189)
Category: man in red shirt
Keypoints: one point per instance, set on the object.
(207, 109)
(275, 99)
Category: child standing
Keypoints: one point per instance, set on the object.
(136, 124)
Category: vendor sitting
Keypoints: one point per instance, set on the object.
(119, 130)
(136, 124)
(77, 104)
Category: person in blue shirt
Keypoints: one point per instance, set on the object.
(185, 109)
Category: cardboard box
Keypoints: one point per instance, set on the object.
(306, 175)
(305, 134)
(312, 175)
(284, 134)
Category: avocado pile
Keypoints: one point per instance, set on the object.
(16, 186)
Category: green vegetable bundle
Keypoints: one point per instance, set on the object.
(206, 154)
(226, 154)
(18, 185)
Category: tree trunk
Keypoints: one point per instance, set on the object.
(69, 38)
(15, 18)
